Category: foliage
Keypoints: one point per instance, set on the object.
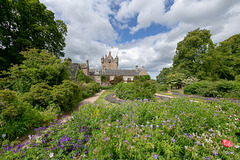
(190, 52)
(38, 67)
(18, 117)
(116, 80)
(175, 80)
(162, 77)
(136, 90)
(173, 129)
(66, 95)
(89, 89)
(189, 80)
(142, 78)
(162, 87)
(223, 88)
(81, 77)
(197, 56)
(28, 24)
(40, 95)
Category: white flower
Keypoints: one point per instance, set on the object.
(3, 135)
(51, 155)
(147, 122)
(186, 147)
(29, 136)
(237, 146)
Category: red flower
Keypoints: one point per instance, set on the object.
(226, 143)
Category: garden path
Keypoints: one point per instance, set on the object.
(91, 100)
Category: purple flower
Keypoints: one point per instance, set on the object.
(204, 119)
(52, 148)
(206, 124)
(145, 135)
(109, 155)
(207, 158)
(157, 126)
(162, 133)
(155, 156)
(173, 140)
(22, 156)
(185, 134)
(215, 153)
(189, 136)
(170, 126)
(198, 143)
(106, 138)
(198, 137)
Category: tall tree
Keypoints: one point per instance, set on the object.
(190, 52)
(26, 24)
(162, 77)
(229, 58)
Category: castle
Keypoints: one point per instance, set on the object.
(109, 69)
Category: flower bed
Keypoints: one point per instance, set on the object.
(172, 129)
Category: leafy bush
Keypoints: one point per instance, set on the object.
(223, 88)
(67, 95)
(116, 80)
(38, 67)
(194, 87)
(18, 117)
(162, 87)
(89, 89)
(136, 90)
(39, 95)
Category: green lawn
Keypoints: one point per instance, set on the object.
(101, 98)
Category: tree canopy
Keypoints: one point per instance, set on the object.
(26, 24)
(198, 57)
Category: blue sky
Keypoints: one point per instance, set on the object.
(142, 32)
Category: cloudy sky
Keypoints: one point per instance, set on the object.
(141, 32)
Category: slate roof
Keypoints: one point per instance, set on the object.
(120, 72)
(83, 65)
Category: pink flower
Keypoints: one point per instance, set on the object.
(226, 143)
(5, 89)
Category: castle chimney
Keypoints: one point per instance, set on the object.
(143, 68)
(136, 67)
(109, 53)
(87, 67)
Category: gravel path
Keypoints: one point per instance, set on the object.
(91, 100)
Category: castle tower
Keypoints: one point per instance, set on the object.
(109, 62)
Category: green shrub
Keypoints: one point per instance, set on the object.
(39, 95)
(18, 117)
(67, 95)
(136, 90)
(38, 67)
(194, 88)
(223, 88)
(89, 89)
(162, 87)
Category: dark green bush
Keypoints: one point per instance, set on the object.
(223, 88)
(39, 95)
(67, 95)
(162, 87)
(136, 90)
(195, 88)
(89, 89)
(18, 117)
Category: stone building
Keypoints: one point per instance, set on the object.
(109, 69)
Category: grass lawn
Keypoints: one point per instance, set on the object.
(101, 98)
